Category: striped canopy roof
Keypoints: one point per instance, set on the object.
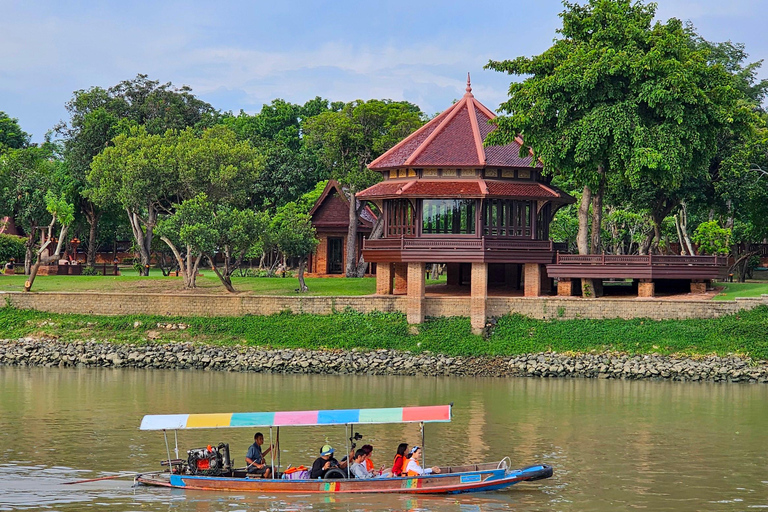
(426, 414)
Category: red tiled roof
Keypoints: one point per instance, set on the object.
(514, 189)
(454, 138)
(462, 189)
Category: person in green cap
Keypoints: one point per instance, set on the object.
(325, 462)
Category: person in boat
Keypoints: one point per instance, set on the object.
(325, 463)
(255, 458)
(414, 469)
(401, 460)
(358, 467)
(368, 450)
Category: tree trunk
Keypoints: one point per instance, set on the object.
(435, 272)
(45, 259)
(582, 236)
(143, 238)
(597, 213)
(225, 278)
(351, 270)
(302, 285)
(92, 216)
(187, 268)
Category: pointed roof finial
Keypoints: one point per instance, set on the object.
(469, 85)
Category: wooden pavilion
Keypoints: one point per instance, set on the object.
(447, 198)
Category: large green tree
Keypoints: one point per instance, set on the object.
(97, 115)
(619, 99)
(294, 235)
(348, 140)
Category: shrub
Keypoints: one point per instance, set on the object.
(12, 246)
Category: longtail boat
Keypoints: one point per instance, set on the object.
(210, 468)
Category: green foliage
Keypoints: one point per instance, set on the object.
(11, 134)
(89, 271)
(293, 232)
(11, 246)
(712, 239)
(620, 92)
(349, 139)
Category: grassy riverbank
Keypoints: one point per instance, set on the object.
(745, 333)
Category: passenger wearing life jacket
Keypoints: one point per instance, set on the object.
(401, 460)
(414, 469)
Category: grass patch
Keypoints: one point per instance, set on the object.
(206, 283)
(745, 333)
(733, 290)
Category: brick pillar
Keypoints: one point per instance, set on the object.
(645, 288)
(479, 297)
(512, 276)
(452, 276)
(698, 286)
(532, 279)
(401, 278)
(565, 287)
(384, 279)
(416, 284)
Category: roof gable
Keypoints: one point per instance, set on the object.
(454, 138)
(332, 208)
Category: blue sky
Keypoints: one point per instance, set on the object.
(242, 54)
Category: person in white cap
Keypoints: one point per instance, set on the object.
(414, 469)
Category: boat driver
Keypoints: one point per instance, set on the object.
(325, 462)
(255, 458)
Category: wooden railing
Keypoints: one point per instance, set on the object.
(479, 244)
(634, 259)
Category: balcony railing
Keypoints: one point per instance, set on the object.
(634, 259)
(458, 244)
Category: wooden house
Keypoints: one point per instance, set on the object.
(330, 217)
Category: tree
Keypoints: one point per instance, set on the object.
(206, 230)
(26, 175)
(140, 174)
(97, 115)
(63, 213)
(348, 140)
(711, 238)
(619, 99)
(11, 134)
(294, 236)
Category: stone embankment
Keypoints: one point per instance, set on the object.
(51, 352)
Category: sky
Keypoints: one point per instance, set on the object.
(242, 54)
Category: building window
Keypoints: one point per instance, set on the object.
(505, 217)
(401, 220)
(448, 216)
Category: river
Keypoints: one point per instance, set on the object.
(615, 445)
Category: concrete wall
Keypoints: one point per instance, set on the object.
(237, 305)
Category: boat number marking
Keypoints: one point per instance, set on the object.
(470, 479)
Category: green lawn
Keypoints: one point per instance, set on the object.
(733, 290)
(207, 283)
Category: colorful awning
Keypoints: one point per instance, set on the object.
(426, 414)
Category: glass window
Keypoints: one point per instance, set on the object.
(448, 216)
(505, 217)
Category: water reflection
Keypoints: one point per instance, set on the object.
(615, 445)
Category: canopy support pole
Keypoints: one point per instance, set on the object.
(271, 453)
(346, 443)
(423, 451)
(277, 447)
(168, 451)
(176, 439)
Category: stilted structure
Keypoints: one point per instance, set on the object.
(447, 198)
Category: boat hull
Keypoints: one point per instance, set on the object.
(444, 483)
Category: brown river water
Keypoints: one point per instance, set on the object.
(615, 445)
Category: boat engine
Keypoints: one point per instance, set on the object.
(209, 461)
